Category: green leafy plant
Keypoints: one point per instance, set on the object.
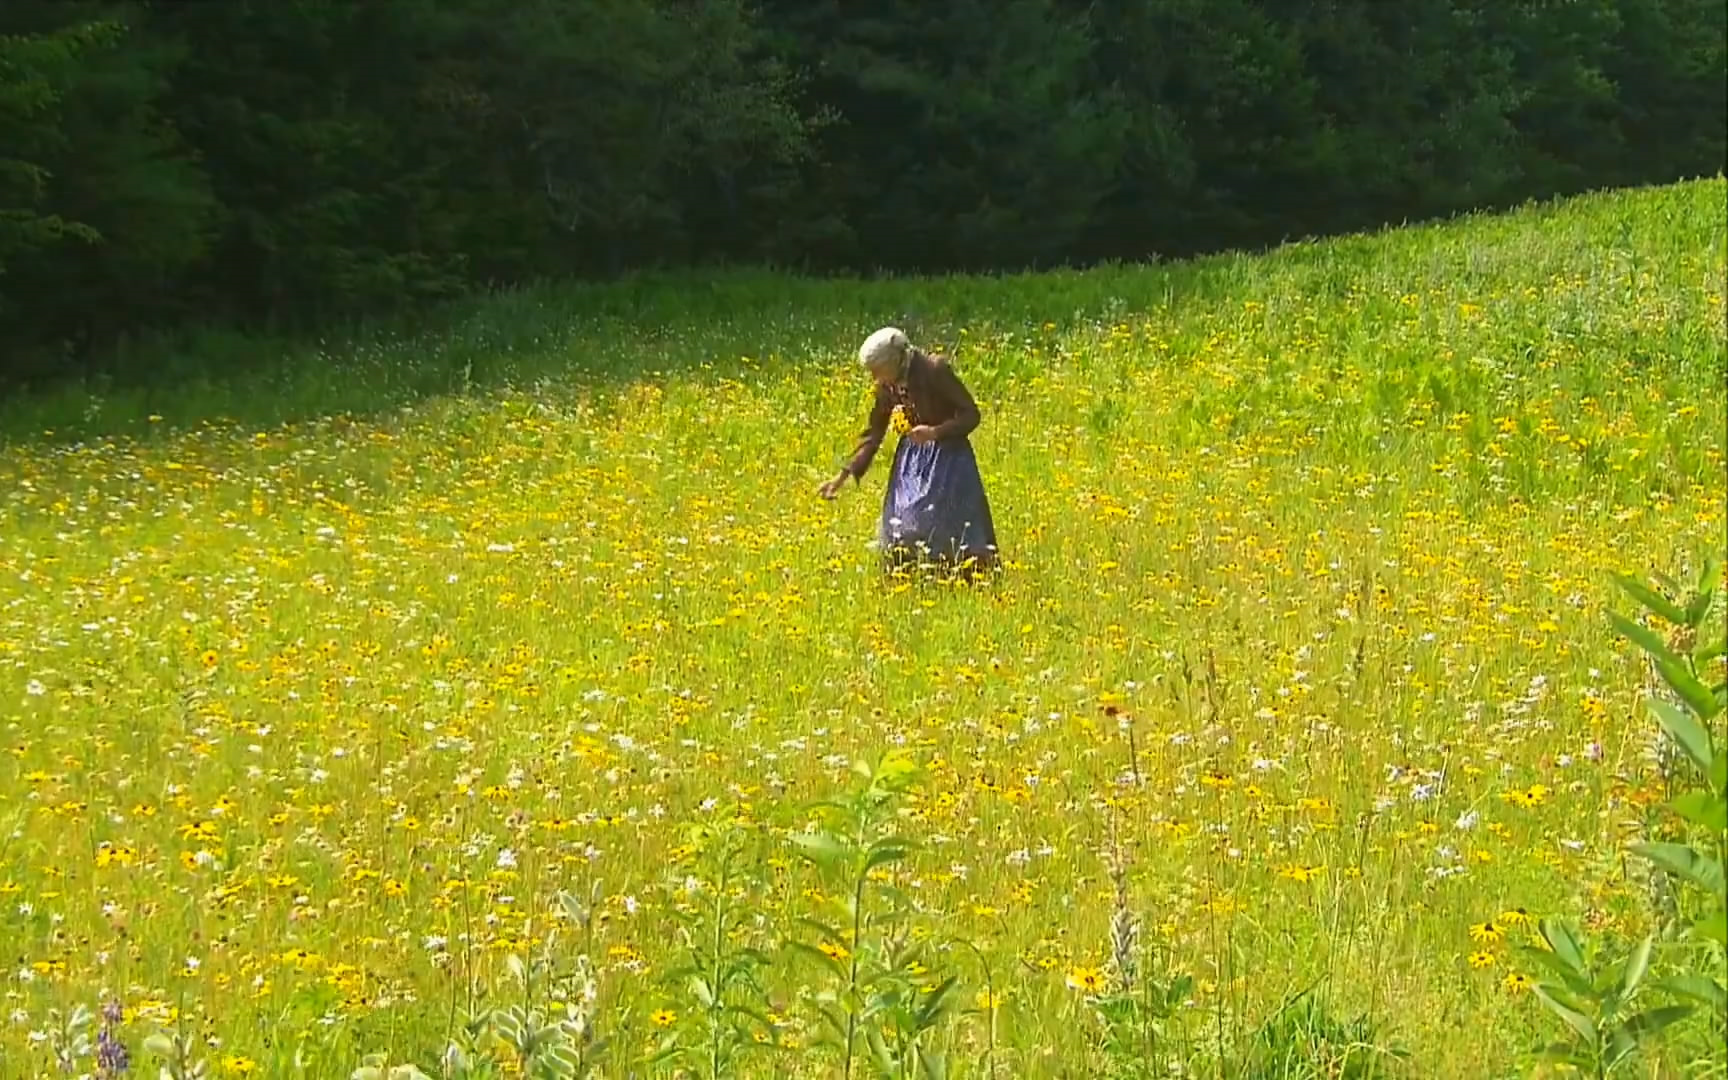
(1681, 658)
(719, 978)
(71, 1037)
(178, 1051)
(1137, 1018)
(1596, 998)
(550, 1030)
(1302, 1040)
(987, 1006)
(378, 1067)
(471, 1052)
(885, 999)
(547, 1032)
(1141, 1006)
(1697, 850)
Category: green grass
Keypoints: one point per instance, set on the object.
(1307, 560)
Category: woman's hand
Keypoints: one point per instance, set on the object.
(922, 434)
(832, 487)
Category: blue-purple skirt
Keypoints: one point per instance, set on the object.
(935, 507)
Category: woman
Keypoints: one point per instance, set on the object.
(935, 504)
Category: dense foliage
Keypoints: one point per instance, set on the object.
(292, 162)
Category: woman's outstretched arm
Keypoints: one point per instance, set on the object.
(870, 440)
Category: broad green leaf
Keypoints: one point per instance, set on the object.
(573, 908)
(1604, 988)
(894, 842)
(1706, 808)
(1707, 650)
(564, 1059)
(1686, 684)
(833, 1018)
(701, 991)
(1691, 736)
(879, 1049)
(1653, 601)
(1621, 1045)
(823, 958)
(1571, 998)
(1635, 968)
(1574, 1019)
(820, 927)
(508, 1022)
(1719, 773)
(748, 958)
(1574, 981)
(935, 1001)
(1652, 1021)
(1642, 636)
(1682, 861)
(1561, 938)
(1714, 927)
(887, 851)
(822, 848)
(1704, 592)
(761, 1021)
(1699, 988)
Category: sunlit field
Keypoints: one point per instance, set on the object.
(494, 669)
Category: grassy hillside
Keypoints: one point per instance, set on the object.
(326, 685)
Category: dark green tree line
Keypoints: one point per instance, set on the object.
(291, 163)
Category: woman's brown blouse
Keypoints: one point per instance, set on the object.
(932, 394)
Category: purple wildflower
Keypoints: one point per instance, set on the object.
(112, 1058)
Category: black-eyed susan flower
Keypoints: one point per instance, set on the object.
(833, 950)
(1087, 980)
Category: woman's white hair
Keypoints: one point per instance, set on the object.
(884, 350)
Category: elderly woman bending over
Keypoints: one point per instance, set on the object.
(935, 508)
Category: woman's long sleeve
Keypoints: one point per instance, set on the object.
(871, 439)
(965, 418)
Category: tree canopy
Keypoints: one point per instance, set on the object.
(288, 163)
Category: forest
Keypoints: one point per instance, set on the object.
(292, 165)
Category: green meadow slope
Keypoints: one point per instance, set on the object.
(332, 688)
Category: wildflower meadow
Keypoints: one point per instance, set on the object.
(498, 698)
